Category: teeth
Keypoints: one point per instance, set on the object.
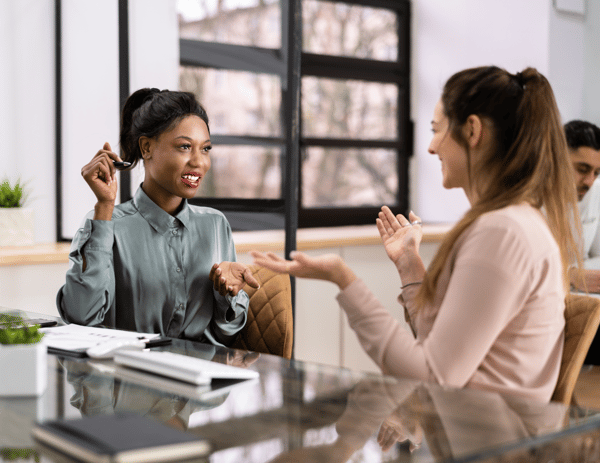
(192, 178)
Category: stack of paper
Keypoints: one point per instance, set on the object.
(74, 338)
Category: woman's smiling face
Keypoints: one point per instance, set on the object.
(452, 155)
(175, 162)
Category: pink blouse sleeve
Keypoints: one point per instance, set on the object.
(390, 345)
(490, 282)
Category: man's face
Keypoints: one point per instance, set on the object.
(586, 167)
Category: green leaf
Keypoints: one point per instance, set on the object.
(12, 194)
(13, 330)
(10, 454)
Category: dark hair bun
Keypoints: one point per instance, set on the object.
(148, 112)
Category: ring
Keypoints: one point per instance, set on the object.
(417, 222)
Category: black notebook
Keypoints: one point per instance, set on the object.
(120, 438)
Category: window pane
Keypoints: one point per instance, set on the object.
(349, 109)
(349, 177)
(237, 103)
(243, 172)
(331, 28)
(238, 22)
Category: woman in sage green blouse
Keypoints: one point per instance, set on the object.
(156, 263)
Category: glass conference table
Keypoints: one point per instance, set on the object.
(304, 412)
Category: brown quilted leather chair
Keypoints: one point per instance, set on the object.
(582, 317)
(270, 325)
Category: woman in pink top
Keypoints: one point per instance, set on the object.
(488, 313)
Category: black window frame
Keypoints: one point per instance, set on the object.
(273, 61)
(291, 64)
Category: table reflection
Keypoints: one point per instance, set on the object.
(435, 424)
(302, 412)
(314, 417)
(101, 388)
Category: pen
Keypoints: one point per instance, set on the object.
(160, 341)
(121, 164)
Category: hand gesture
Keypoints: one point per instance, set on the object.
(328, 267)
(395, 428)
(99, 174)
(230, 277)
(242, 359)
(398, 234)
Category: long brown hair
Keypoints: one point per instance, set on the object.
(528, 162)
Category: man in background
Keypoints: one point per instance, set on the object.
(583, 139)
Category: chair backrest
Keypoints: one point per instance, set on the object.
(270, 325)
(582, 317)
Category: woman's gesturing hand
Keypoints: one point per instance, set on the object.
(396, 428)
(230, 277)
(99, 174)
(329, 267)
(399, 234)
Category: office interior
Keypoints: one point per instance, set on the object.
(552, 35)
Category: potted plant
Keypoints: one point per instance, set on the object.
(23, 358)
(13, 454)
(16, 221)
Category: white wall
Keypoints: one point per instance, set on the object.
(567, 63)
(153, 44)
(513, 34)
(90, 97)
(591, 89)
(448, 37)
(27, 105)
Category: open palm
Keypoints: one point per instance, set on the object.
(398, 234)
(302, 265)
(230, 277)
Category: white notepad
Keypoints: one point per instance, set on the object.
(73, 337)
(189, 369)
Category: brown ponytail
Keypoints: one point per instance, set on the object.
(529, 161)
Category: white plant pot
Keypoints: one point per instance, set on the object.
(16, 226)
(19, 415)
(23, 369)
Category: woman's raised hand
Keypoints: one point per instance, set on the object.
(100, 174)
(328, 267)
(399, 235)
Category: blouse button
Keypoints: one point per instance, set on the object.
(178, 269)
(174, 232)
